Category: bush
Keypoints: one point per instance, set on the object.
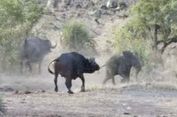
(124, 40)
(76, 37)
(17, 19)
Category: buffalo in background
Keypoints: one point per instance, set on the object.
(34, 50)
(121, 65)
(72, 65)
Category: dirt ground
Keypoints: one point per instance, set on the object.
(33, 96)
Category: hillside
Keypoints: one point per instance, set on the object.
(99, 20)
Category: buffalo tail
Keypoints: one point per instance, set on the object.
(50, 71)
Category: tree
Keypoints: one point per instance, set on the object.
(17, 18)
(2, 108)
(155, 20)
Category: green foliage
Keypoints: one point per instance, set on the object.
(124, 41)
(139, 33)
(147, 13)
(76, 37)
(16, 20)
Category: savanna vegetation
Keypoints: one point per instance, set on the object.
(76, 37)
(152, 23)
(17, 18)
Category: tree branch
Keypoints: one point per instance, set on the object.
(167, 42)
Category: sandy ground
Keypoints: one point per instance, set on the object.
(33, 96)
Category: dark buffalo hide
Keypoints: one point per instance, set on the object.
(34, 50)
(121, 65)
(71, 66)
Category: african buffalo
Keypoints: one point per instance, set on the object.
(72, 65)
(34, 50)
(121, 65)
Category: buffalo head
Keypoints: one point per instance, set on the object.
(47, 45)
(91, 66)
(34, 49)
(134, 60)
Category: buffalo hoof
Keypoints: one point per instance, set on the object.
(82, 90)
(56, 89)
(70, 92)
(125, 80)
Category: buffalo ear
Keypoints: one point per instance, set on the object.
(127, 54)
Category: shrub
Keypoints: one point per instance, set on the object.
(150, 29)
(76, 37)
(124, 40)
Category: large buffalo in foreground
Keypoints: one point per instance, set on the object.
(72, 65)
(121, 65)
(34, 50)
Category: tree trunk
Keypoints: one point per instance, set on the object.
(156, 27)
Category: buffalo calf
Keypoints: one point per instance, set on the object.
(121, 65)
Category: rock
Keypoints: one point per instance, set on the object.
(108, 4)
(104, 7)
(16, 92)
(122, 5)
(78, 6)
(129, 108)
(55, 3)
(96, 20)
(89, 4)
(43, 91)
(126, 113)
(98, 13)
(6, 89)
(67, 2)
(27, 92)
(112, 4)
(1, 114)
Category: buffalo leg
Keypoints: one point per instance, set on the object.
(29, 65)
(136, 75)
(105, 80)
(55, 81)
(83, 83)
(40, 67)
(125, 79)
(108, 76)
(21, 66)
(113, 81)
(68, 84)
